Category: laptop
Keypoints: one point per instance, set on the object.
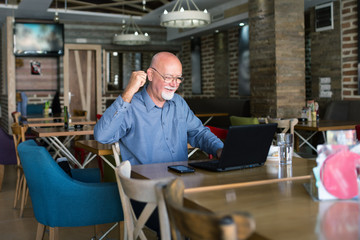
(245, 146)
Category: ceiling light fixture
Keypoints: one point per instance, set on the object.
(180, 18)
(131, 35)
(56, 17)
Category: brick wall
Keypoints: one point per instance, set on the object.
(326, 56)
(349, 24)
(208, 65)
(208, 68)
(233, 47)
(277, 58)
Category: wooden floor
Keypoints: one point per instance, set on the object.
(12, 227)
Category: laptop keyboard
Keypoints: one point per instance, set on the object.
(213, 165)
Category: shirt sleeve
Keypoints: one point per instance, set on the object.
(113, 124)
(201, 136)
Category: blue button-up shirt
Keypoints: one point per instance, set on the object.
(149, 134)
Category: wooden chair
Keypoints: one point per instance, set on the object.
(141, 191)
(16, 116)
(18, 133)
(199, 225)
(285, 125)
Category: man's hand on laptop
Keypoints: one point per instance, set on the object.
(218, 152)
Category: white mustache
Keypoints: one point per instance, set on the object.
(170, 88)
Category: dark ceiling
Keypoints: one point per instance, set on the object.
(130, 7)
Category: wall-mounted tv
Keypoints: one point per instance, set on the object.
(38, 39)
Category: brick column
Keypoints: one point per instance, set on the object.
(277, 57)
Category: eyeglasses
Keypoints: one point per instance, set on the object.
(169, 78)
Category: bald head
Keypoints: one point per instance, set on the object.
(162, 58)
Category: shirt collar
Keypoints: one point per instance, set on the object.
(149, 104)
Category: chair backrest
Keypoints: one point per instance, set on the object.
(22, 104)
(16, 116)
(235, 120)
(18, 133)
(287, 125)
(337, 110)
(198, 225)
(35, 109)
(142, 191)
(54, 194)
(219, 132)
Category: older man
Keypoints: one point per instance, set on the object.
(155, 124)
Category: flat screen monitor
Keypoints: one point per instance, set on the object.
(38, 39)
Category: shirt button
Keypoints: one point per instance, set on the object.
(167, 139)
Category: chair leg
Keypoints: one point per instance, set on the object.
(100, 163)
(122, 233)
(97, 230)
(17, 189)
(54, 233)
(2, 171)
(40, 231)
(26, 195)
(24, 187)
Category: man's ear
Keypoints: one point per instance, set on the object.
(149, 74)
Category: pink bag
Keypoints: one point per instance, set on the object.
(338, 174)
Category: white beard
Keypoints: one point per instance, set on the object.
(167, 95)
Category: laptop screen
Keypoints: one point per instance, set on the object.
(247, 145)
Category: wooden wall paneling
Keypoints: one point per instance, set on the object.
(106, 72)
(88, 81)
(98, 79)
(80, 81)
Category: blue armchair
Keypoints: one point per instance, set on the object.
(61, 201)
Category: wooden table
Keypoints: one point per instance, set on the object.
(95, 149)
(51, 123)
(282, 207)
(285, 210)
(321, 126)
(51, 136)
(211, 116)
(203, 180)
(48, 118)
